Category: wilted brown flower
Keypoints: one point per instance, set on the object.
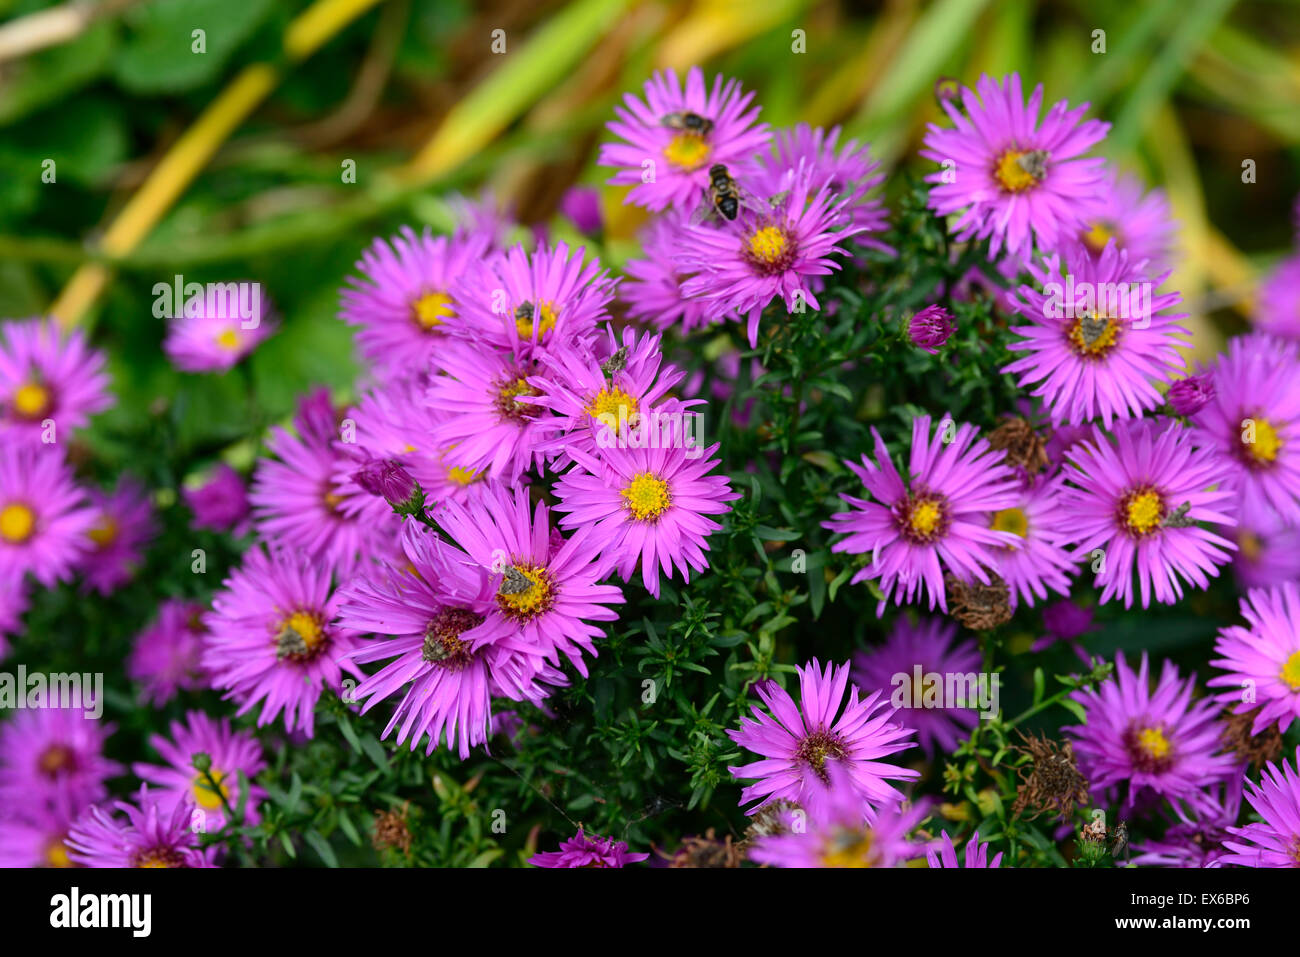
(1025, 448)
(978, 607)
(707, 851)
(391, 830)
(1051, 781)
(1258, 749)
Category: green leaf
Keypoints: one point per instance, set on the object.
(159, 54)
(321, 847)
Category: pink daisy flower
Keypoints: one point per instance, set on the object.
(977, 854)
(166, 656)
(219, 327)
(1277, 310)
(545, 585)
(48, 376)
(1266, 555)
(1156, 742)
(1253, 422)
(647, 505)
(182, 784)
(272, 637)
(1262, 659)
(937, 519)
(653, 287)
(124, 527)
(304, 498)
(402, 305)
(33, 836)
(220, 503)
(45, 519)
(1039, 561)
(1097, 342)
(1136, 506)
(676, 134)
(1140, 224)
(798, 742)
(531, 304)
(583, 851)
(154, 834)
(452, 652)
(780, 252)
(54, 758)
(931, 644)
(1011, 180)
(1196, 837)
(1275, 841)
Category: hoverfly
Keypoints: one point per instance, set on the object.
(1034, 163)
(515, 583)
(723, 197)
(688, 123)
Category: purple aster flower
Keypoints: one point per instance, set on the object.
(647, 505)
(930, 328)
(451, 650)
(272, 637)
(1195, 839)
(1012, 180)
(595, 395)
(897, 669)
(489, 418)
(1274, 842)
(531, 304)
(1039, 560)
(166, 656)
(48, 376)
(1277, 310)
(229, 752)
(14, 600)
(305, 499)
(849, 171)
(1136, 505)
(581, 204)
(387, 479)
(220, 503)
(1156, 742)
(402, 305)
(124, 526)
(836, 829)
(1098, 339)
(1141, 225)
(1266, 556)
(1262, 658)
(1065, 621)
(977, 854)
(798, 742)
(33, 836)
(779, 251)
(154, 834)
(45, 519)
(583, 851)
(53, 758)
(1189, 395)
(937, 519)
(653, 287)
(219, 327)
(676, 134)
(1253, 422)
(545, 585)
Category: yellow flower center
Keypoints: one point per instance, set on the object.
(1291, 671)
(228, 339)
(158, 858)
(1011, 520)
(687, 151)
(300, 636)
(1251, 547)
(769, 244)
(31, 400)
(925, 518)
(1098, 235)
(204, 795)
(1154, 743)
(431, 309)
(610, 401)
(524, 319)
(532, 601)
(56, 759)
(1143, 511)
(1093, 335)
(508, 404)
(848, 849)
(647, 497)
(1011, 173)
(462, 476)
(56, 855)
(1264, 450)
(17, 522)
(104, 532)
